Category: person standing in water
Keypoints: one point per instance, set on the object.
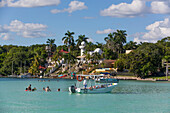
(85, 83)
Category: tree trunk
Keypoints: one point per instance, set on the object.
(69, 48)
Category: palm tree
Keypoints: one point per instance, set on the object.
(35, 64)
(99, 45)
(68, 39)
(81, 38)
(131, 45)
(70, 58)
(57, 55)
(120, 39)
(90, 46)
(96, 56)
(50, 42)
(110, 41)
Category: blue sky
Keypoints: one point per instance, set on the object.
(28, 22)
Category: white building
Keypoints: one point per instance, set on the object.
(82, 47)
(98, 50)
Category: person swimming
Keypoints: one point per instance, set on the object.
(47, 89)
(29, 88)
(43, 88)
(34, 89)
(26, 89)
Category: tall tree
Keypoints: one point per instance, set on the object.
(119, 39)
(81, 38)
(131, 46)
(50, 42)
(99, 45)
(110, 42)
(68, 39)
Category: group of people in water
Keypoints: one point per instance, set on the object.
(30, 89)
(47, 89)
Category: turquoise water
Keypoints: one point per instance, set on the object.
(127, 97)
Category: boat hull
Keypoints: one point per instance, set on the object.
(94, 90)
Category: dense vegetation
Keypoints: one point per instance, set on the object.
(144, 60)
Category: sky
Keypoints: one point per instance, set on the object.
(28, 22)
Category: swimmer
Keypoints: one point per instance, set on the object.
(29, 87)
(43, 88)
(47, 89)
(34, 89)
(58, 89)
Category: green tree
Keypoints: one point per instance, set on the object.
(131, 46)
(145, 60)
(96, 56)
(68, 39)
(34, 69)
(119, 39)
(80, 39)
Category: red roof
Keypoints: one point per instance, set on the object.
(62, 51)
(41, 67)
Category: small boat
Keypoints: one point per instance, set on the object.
(100, 88)
(106, 88)
(12, 76)
(61, 76)
(27, 75)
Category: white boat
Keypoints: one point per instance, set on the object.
(107, 88)
(12, 76)
(97, 88)
(25, 76)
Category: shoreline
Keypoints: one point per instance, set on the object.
(116, 77)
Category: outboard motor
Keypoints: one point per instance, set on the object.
(73, 89)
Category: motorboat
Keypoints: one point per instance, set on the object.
(12, 76)
(91, 89)
(106, 88)
(25, 76)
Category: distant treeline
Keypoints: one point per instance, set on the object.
(144, 60)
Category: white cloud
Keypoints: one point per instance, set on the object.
(26, 30)
(73, 6)
(28, 3)
(160, 7)
(136, 8)
(3, 29)
(106, 31)
(5, 36)
(156, 31)
(2, 3)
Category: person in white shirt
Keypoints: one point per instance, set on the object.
(85, 83)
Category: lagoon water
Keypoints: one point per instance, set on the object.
(127, 97)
